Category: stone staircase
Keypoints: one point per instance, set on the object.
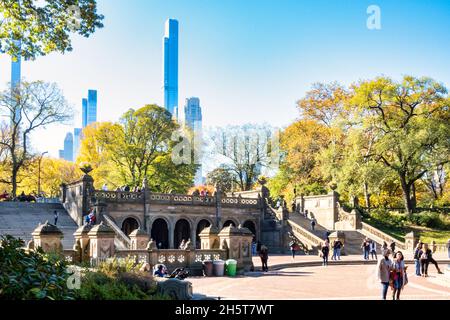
(19, 219)
(305, 223)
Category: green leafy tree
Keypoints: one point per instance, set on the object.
(32, 28)
(410, 122)
(221, 177)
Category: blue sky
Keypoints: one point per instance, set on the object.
(248, 61)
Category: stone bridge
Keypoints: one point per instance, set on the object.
(167, 218)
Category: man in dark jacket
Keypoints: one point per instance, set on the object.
(264, 255)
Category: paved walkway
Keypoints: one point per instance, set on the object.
(354, 282)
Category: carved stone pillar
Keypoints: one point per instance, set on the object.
(101, 238)
(209, 238)
(238, 241)
(411, 240)
(48, 237)
(139, 239)
(82, 242)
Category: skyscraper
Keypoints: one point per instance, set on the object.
(193, 114)
(68, 147)
(16, 74)
(84, 112)
(170, 72)
(92, 107)
(193, 119)
(76, 142)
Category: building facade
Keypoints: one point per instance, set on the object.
(68, 147)
(76, 142)
(170, 67)
(92, 107)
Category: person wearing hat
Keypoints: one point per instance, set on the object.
(384, 268)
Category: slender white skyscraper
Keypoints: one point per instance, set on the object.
(170, 67)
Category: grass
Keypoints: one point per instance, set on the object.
(440, 236)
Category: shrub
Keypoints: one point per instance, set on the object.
(32, 275)
(431, 220)
(115, 266)
(389, 218)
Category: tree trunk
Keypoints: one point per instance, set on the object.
(14, 182)
(406, 188)
(367, 195)
(413, 197)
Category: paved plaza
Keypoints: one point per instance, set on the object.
(335, 282)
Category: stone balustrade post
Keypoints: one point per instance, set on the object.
(82, 241)
(48, 237)
(209, 238)
(139, 239)
(411, 240)
(101, 238)
(238, 242)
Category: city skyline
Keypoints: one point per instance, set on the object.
(238, 56)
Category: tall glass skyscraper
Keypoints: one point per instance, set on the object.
(170, 43)
(92, 107)
(16, 74)
(84, 112)
(76, 142)
(68, 147)
(193, 119)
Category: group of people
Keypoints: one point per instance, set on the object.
(125, 188)
(423, 256)
(369, 248)
(90, 218)
(392, 273)
(32, 197)
(203, 193)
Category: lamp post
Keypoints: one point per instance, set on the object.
(39, 172)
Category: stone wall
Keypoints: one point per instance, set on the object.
(324, 208)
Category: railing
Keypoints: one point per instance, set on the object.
(372, 232)
(174, 199)
(304, 235)
(116, 196)
(120, 236)
(140, 256)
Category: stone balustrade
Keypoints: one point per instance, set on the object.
(371, 232)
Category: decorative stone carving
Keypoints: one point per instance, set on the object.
(151, 245)
(82, 238)
(48, 237)
(209, 238)
(101, 241)
(139, 239)
(238, 242)
(177, 289)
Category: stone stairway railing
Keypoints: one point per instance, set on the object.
(379, 236)
(122, 239)
(305, 236)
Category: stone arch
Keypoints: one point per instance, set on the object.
(251, 225)
(182, 231)
(160, 233)
(232, 221)
(129, 225)
(202, 224)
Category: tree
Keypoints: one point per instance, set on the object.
(221, 177)
(28, 107)
(410, 121)
(245, 151)
(35, 28)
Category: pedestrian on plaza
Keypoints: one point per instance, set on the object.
(365, 246)
(384, 267)
(373, 249)
(56, 216)
(294, 247)
(337, 245)
(400, 278)
(424, 259)
(392, 245)
(385, 246)
(264, 255)
(325, 251)
(431, 259)
(417, 254)
(313, 224)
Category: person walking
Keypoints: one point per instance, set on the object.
(431, 259)
(56, 216)
(424, 261)
(325, 253)
(337, 245)
(385, 246)
(384, 267)
(264, 256)
(373, 249)
(417, 254)
(293, 246)
(399, 275)
(392, 245)
(365, 246)
(313, 224)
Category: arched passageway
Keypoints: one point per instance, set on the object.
(251, 226)
(182, 232)
(160, 233)
(129, 225)
(228, 223)
(200, 226)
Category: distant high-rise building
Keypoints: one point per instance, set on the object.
(170, 71)
(76, 142)
(92, 107)
(193, 114)
(16, 74)
(193, 119)
(61, 154)
(68, 147)
(84, 112)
